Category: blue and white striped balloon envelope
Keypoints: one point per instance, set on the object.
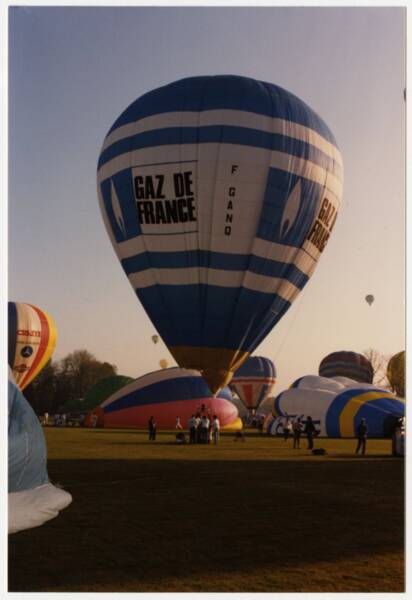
(219, 194)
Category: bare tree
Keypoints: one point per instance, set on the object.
(379, 364)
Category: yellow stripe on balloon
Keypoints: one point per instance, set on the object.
(346, 419)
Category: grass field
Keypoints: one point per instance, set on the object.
(256, 516)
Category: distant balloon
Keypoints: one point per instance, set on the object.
(347, 364)
(31, 341)
(166, 394)
(254, 381)
(155, 339)
(396, 373)
(219, 194)
(163, 363)
(369, 299)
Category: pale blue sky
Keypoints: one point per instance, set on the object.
(73, 70)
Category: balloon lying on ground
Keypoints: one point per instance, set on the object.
(337, 405)
(254, 381)
(32, 499)
(347, 364)
(219, 194)
(31, 341)
(395, 373)
(166, 395)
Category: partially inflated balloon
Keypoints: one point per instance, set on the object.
(254, 381)
(166, 395)
(219, 194)
(337, 406)
(31, 341)
(347, 364)
(396, 373)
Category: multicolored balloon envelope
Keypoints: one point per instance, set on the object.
(254, 381)
(166, 395)
(219, 194)
(396, 373)
(32, 499)
(337, 405)
(347, 364)
(31, 341)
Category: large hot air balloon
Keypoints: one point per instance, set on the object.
(163, 363)
(166, 395)
(369, 299)
(254, 381)
(155, 339)
(337, 405)
(31, 341)
(347, 364)
(32, 498)
(396, 373)
(219, 194)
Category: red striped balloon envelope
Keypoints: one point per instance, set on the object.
(31, 341)
(254, 381)
(347, 364)
(166, 395)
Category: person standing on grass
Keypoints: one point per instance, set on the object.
(152, 428)
(297, 430)
(192, 425)
(287, 426)
(310, 431)
(215, 429)
(361, 433)
(204, 429)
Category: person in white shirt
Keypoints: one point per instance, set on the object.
(204, 429)
(192, 425)
(215, 429)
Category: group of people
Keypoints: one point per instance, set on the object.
(297, 428)
(203, 428)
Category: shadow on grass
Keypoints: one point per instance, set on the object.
(150, 521)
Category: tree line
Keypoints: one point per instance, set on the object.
(66, 380)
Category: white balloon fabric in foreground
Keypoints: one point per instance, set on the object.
(337, 405)
(32, 499)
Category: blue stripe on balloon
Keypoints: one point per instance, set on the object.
(211, 316)
(376, 412)
(256, 366)
(225, 92)
(166, 391)
(214, 260)
(224, 134)
(338, 404)
(276, 405)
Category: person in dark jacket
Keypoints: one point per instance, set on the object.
(152, 428)
(361, 433)
(310, 431)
